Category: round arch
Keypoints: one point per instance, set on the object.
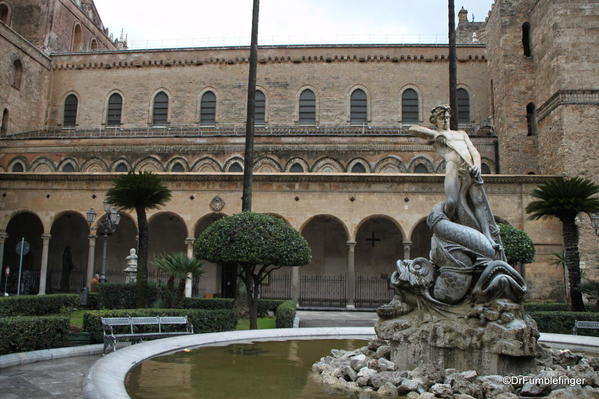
(117, 247)
(298, 95)
(216, 279)
(167, 234)
(420, 236)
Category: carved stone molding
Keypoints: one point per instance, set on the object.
(217, 204)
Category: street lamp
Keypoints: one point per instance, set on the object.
(108, 225)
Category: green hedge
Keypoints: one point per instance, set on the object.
(22, 334)
(202, 320)
(208, 303)
(285, 314)
(546, 307)
(563, 322)
(93, 300)
(122, 295)
(268, 305)
(36, 305)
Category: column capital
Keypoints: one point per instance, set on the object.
(46, 236)
(351, 243)
(407, 242)
(3, 235)
(190, 240)
(92, 237)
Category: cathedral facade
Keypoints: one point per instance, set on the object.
(333, 154)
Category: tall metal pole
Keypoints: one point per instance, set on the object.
(20, 265)
(248, 164)
(103, 271)
(453, 124)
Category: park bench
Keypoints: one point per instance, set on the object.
(592, 325)
(112, 334)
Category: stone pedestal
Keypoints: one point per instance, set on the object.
(496, 338)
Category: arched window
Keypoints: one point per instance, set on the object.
(526, 45)
(68, 168)
(17, 167)
(463, 103)
(5, 14)
(177, 167)
(485, 169)
(115, 110)
(208, 108)
(70, 110)
(235, 167)
(358, 107)
(77, 38)
(17, 74)
(160, 109)
(296, 168)
(260, 110)
(409, 106)
(93, 45)
(307, 107)
(4, 126)
(121, 167)
(358, 168)
(421, 168)
(531, 119)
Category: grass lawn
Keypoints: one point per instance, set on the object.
(263, 322)
(77, 318)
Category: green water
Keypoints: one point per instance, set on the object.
(261, 370)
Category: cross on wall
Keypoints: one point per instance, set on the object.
(373, 239)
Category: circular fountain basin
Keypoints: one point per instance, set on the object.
(106, 378)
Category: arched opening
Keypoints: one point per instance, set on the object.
(421, 168)
(307, 107)
(296, 168)
(18, 167)
(28, 226)
(358, 168)
(409, 106)
(531, 119)
(4, 126)
(70, 111)
(485, 169)
(17, 74)
(260, 109)
(167, 233)
(67, 256)
(93, 45)
(323, 281)
(160, 109)
(235, 167)
(216, 280)
(68, 168)
(379, 244)
(115, 110)
(117, 248)
(421, 241)
(121, 167)
(208, 108)
(5, 14)
(526, 42)
(177, 167)
(77, 38)
(358, 107)
(463, 105)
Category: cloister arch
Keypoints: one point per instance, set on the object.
(421, 240)
(216, 279)
(118, 245)
(167, 232)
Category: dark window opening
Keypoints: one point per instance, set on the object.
(463, 103)
(526, 45)
(208, 108)
(69, 168)
(17, 74)
(421, 168)
(307, 107)
(121, 167)
(235, 167)
(485, 169)
(4, 127)
(409, 106)
(358, 107)
(115, 110)
(296, 168)
(177, 167)
(358, 168)
(70, 110)
(160, 109)
(77, 38)
(531, 119)
(4, 14)
(93, 45)
(18, 167)
(260, 110)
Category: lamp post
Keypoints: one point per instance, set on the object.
(108, 225)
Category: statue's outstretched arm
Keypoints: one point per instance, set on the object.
(424, 132)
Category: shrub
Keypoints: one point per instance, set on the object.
(36, 305)
(122, 295)
(285, 313)
(202, 320)
(208, 303)
(519, 248)
(268, 305)
(93, 300)
(22, 334)
(546, 307)
(563, 322)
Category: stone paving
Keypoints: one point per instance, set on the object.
(60, 379)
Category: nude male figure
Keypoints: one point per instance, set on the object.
(462, 168)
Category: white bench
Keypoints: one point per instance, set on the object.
(111, 337)
(592, 325)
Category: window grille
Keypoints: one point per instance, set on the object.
(307, 107)
(70, 110)
(409, 106)
(208, 108)
(358, 106)
(115, 110)
(160, 109)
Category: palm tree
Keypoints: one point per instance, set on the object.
(178, 266)
(139, 191)
(565, 198)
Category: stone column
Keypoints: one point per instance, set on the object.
(91, 257)
(407, 246)
(3, 237)
(44, 267)
(189, 241)
(295, 284)
(351, 275)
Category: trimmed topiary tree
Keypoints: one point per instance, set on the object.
(519, 248)
(258, 244)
